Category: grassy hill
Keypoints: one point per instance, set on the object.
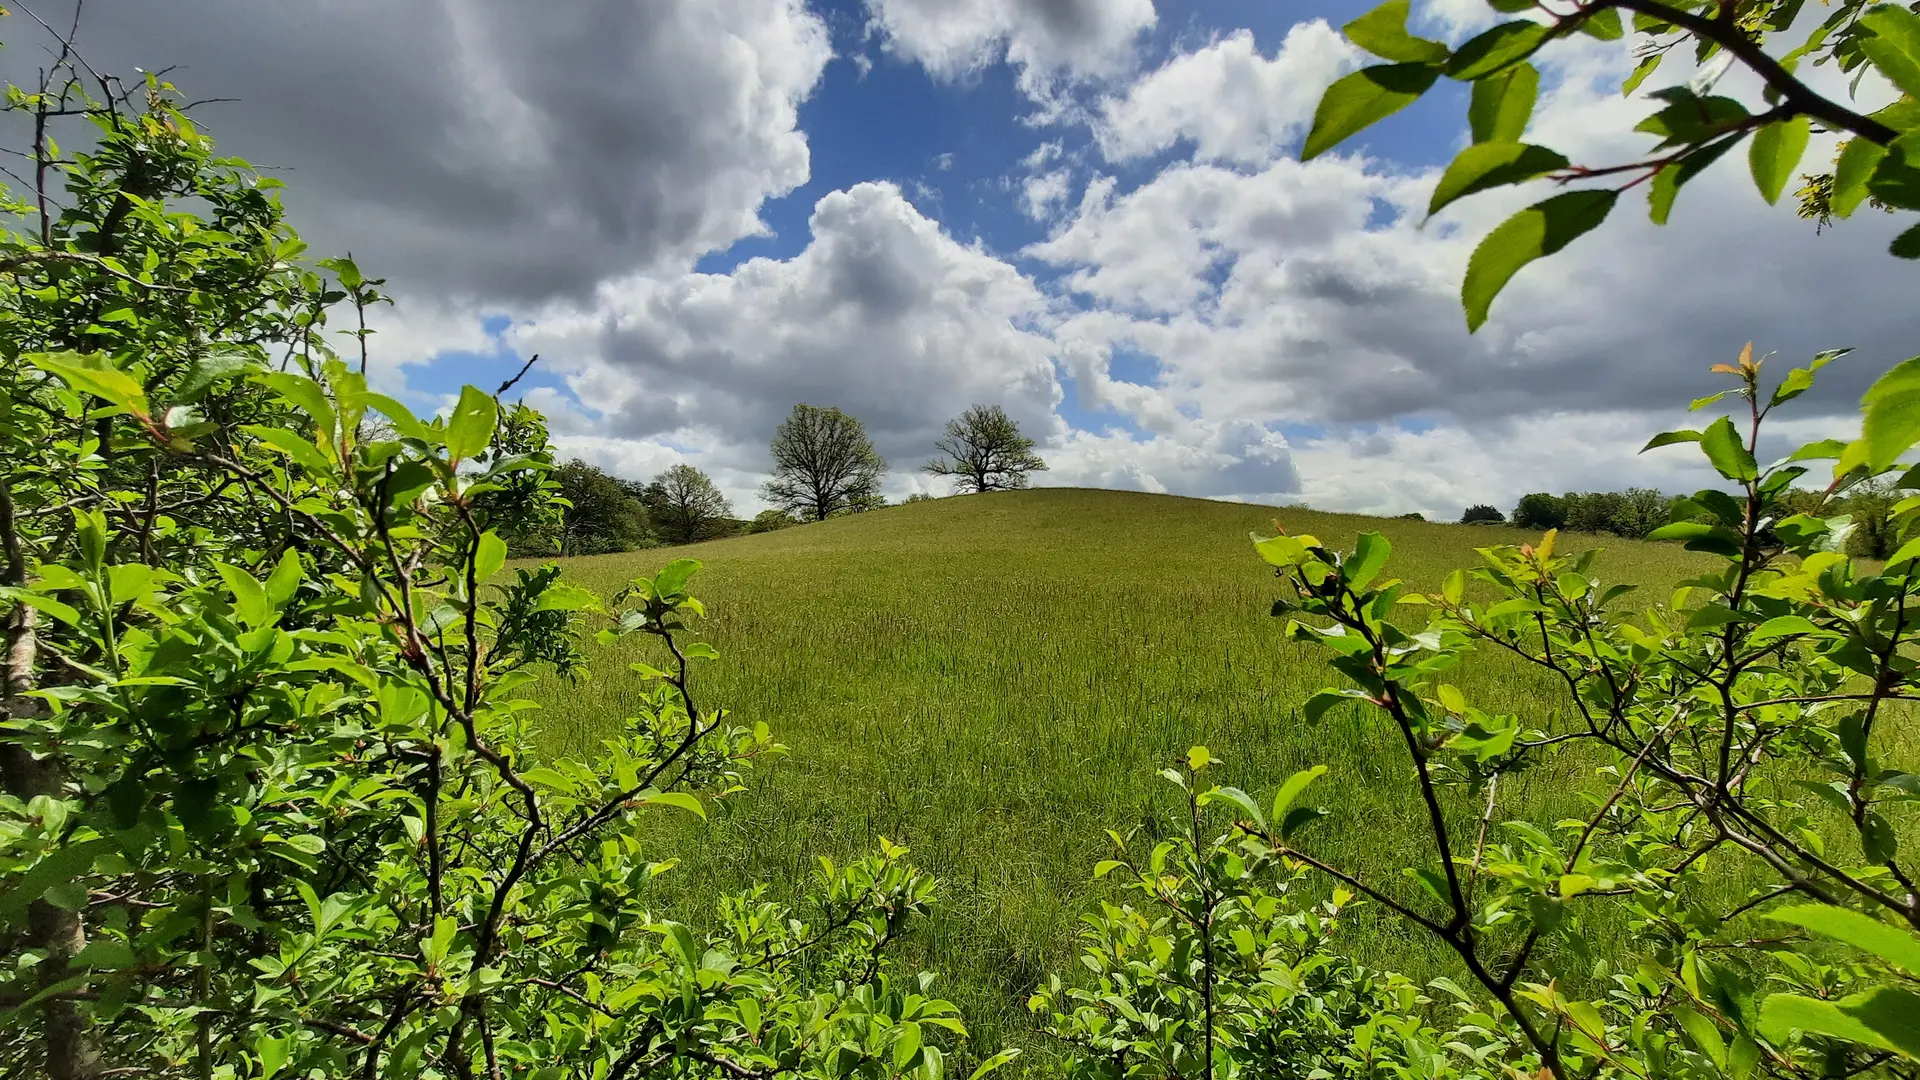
(996, 679)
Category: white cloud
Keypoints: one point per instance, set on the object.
(1045, 39)
(883, 314)
(1232, 103)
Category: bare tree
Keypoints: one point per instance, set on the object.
(985, 452)
(823, 464)
(685, 505)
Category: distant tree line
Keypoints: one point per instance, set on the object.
(824, 465)
(1636, 512)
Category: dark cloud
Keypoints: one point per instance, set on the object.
(489, 150)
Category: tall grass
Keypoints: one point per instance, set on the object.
(997, 679)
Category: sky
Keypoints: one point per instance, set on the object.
(1090, 212)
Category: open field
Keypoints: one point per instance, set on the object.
(996, 679)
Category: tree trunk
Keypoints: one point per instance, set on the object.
(70, 1052)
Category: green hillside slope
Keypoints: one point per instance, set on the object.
(995, 679)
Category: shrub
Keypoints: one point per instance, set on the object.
(1540, 511)
(770, 520)
(1482, 514)
(273, 804)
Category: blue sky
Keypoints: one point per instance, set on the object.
(1090, 212)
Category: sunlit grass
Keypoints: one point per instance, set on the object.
(997, 679)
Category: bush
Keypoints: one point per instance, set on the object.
(770, 521)
(1482, 514)
(274, 802)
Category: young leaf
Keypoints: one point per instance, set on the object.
(294, 445)
(1603, 24)
(1775, 153)
(306, 395)
(1383, 32)
(1505, 44)
(284, 581)
(489, 557)
(1502, 104)
(1883, 1018)
(1540, 229)
(1668, 438)
(1241, 801)
(1284, 798)
(1893, 44)
(249, 597)
(1492, 164)
(1729, 455)
(1369, 555)
(1640, 72)
(470, 428)
(1362, 98)
(994, 1062)
(679, 800)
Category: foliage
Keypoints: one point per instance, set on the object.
(601, 516)
(1482, 514)
(528, 507)
(1693, 127)
(1746, 731)
(274, 804)
(685, 505)
(770, 521)
(983, 450)
(1540, 511)
(823, 464)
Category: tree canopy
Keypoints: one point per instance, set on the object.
(983, 450)
(685, 505)
(823, 464)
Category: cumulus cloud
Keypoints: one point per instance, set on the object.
(489, 150)
(883, 314)
(1230, 102)
(1046, 40)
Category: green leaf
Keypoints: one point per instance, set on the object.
(1693, 119)
(249, 597)
(1851, 171)
(1640, 72)
(1316, 706)
(1492, 164)
(405, 424)
(285, 580)
(1781, 626)
(1797, 382)
(564, 597)
(93, 373)
(906, 1044)
(679, 800)
(1541, 229)
(1369, 556)
(1775, 154)
(1892, 42)
(1729, 455)
(1671, 178)
(995, 1062)
(1892, 422)
(673, 577)
(1898, 947)
(306, 395)
(304, 454)
(1883, 1018)
(272, 1054)
(1358, 100)
(1283, 799)
(470, 428)
(1704, 1034)
(489, 556)
(1505, 44)
(1242, 801)
(1383, 32)
(1701, 536)
(1604, 24)
(1906, 245)
(1281, 551)
(1502, 103)
(1668, 438)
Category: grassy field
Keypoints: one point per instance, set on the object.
(996, 679)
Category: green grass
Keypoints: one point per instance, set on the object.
(996, 679)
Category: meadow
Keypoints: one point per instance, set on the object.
(997, 679)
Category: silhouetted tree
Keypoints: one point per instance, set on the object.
(823, 464)
(685, 505)
(1482, 514)
(985, 452)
